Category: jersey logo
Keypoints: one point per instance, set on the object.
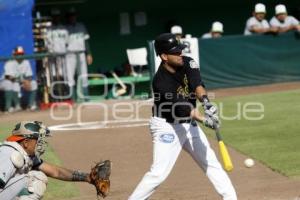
(193, 64)
(167, 138)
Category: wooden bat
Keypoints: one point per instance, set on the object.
(47, 76)
(124, 88)
(224, 153)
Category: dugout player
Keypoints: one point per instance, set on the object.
(215, 32)
(23, 174)
(257, 24)
(176, 86)
(77, 42)
(177, 30)
(282, 21)
(57, 41)
(18, 74)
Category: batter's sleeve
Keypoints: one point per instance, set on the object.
(193, 73)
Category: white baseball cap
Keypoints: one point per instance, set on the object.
(280, 9)
(260, 8)
(217, 27)
(187, 36)
(176, 29)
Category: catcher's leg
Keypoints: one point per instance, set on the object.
(198, 147)
(36, 186)
(13, 187)
(166, 149)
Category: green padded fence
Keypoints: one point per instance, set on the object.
(250, 60)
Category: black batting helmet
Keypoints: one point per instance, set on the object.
(167, 43)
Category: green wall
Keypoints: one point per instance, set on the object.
(250, 60)
(109, 47)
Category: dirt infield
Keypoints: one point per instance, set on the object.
(130, 149)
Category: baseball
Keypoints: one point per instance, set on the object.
(249, 162)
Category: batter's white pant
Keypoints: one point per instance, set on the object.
(35, 182)
(168, 140)
(76, 62)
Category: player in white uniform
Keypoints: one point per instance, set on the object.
(23, 174)
(282, 21)
(257, 24)
(177, 30)
(17, 74)
(57, 40)
(177, 85)
(216, 31)
(78, 41)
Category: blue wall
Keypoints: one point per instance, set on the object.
(16, 27)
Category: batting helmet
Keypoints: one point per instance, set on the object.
(167, 43)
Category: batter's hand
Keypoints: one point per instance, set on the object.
(212, 122)
(89, 59)
(210, 109)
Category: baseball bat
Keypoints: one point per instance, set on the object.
(123, 86)
(224, 152)
(47, 82)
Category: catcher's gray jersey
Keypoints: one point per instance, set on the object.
(16, 174)
(289, 20)
(253, 22)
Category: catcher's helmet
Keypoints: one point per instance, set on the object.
(28, 129)
(167, 43)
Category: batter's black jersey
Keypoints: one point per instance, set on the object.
(174, 93)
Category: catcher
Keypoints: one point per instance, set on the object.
(23, 174)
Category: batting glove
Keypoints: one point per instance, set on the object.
(212, 122)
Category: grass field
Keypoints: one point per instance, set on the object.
(275, 139)
(56, 189)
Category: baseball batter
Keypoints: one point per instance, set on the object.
(17, 74)
(23, 173)
(77, 42)
(282, 21)
(176, 86)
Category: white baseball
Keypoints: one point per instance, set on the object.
(249, 162)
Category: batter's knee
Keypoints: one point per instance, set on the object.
(36, 186)
(157, 176)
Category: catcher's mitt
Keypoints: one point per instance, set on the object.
(99, 177)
